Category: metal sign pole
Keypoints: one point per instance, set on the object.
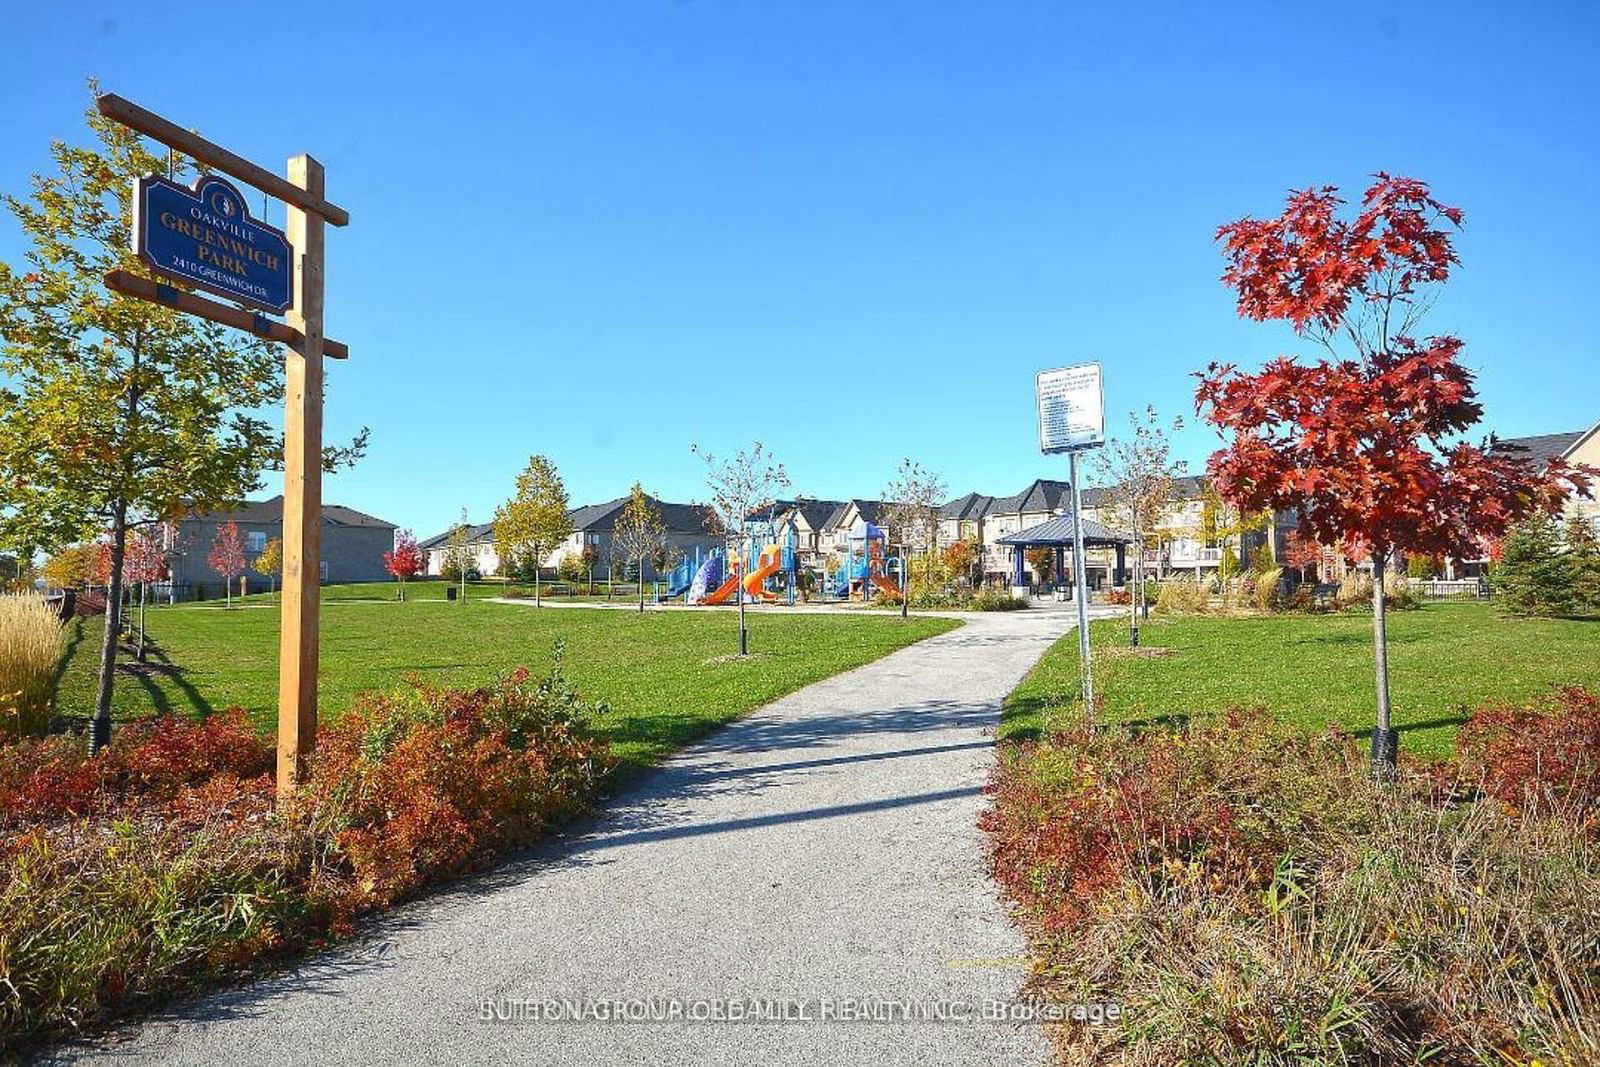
(1080, 592)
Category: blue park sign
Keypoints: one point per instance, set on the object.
(206, 237)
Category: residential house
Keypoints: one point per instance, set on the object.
(1178, 542)
(1576, 447)
(850, 516)
(353, 544)
(689, 529)
(809, 518)
(987, 519)
(479, 548)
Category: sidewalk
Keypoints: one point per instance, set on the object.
(824, 847)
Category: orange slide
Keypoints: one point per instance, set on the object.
(723, 591)
(884, 582)
(769, 563)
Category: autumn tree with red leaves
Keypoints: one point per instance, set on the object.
(143, 563)
(1303, 553)
(1366, 445)
(405, 561)
(227, 556)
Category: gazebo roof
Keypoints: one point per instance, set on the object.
(1058, 531)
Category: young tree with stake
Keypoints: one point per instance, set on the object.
(227, 557)
(535, 519)
(912, 501)
(145, 563)
(269, 563)
(1365, 446)
(640, 533)
(1141, 479)
(453, 567)
(741, 487)
(403, 561)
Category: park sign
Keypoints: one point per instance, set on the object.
(1072, 410)
(205, 236)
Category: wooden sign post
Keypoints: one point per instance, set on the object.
(211, 266)
(298, 648)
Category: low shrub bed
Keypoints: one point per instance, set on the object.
(1248, 894)
(990, 599)
(1266, 593)
(162, 864)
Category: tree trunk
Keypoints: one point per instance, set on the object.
(100, 725)
(144, 589)
(1133, 592)
(640, 576)
(744, 638)
(1385, 739)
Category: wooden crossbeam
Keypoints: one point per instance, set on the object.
(198, 148)
(129, 284)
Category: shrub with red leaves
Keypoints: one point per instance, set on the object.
(148, 763)
(89, 602)
(423, 785)
(405, 790)
(1544, 753)
(1078, 814)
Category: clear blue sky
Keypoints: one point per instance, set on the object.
(853, 231)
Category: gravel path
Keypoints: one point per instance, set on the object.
(820, 854)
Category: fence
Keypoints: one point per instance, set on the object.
(1458, 589)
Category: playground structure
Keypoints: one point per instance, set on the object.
(867, 567)
(765, 569)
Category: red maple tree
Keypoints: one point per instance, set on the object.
(227, 556)
(143, 560)
(405, 561)
(1302, 552)
(1365, 447)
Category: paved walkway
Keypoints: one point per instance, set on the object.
(822, 847)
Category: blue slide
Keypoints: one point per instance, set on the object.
(708, 578)
(681, 578)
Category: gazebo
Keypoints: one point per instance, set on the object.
(1056, 533)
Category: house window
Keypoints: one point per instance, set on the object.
(256, 541)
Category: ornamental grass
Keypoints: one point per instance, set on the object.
(30, 650)
(1250, 895)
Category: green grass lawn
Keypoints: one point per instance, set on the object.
(664, 674)
(1315, 670)
(434, 589)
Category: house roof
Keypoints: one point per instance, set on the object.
(270, 511)
(678, 518)
(1541, 447)
(815, 512)
(869, 510)
(1045, 495)
(476, 534)
(1058, 531)
(971, 506)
